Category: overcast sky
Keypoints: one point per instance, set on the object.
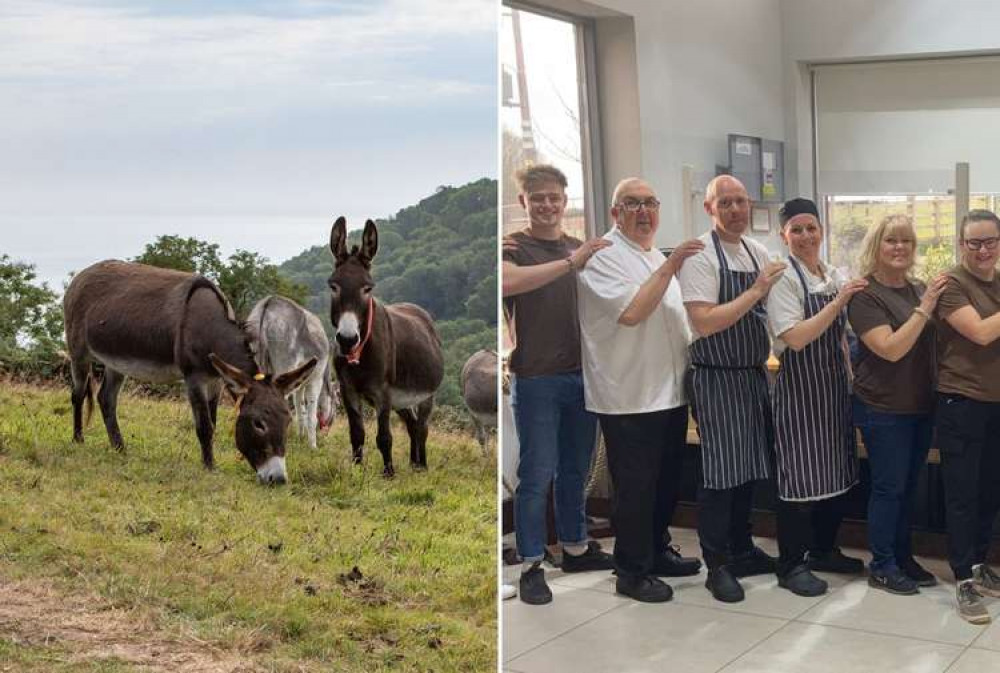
(252, 124)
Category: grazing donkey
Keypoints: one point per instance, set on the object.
(161, 325)
(479, 390)
(388, 354)
(284, 335)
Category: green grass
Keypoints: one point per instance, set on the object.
(256, 570)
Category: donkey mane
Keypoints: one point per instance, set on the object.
(201, 282)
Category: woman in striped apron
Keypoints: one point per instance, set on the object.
(815, 449)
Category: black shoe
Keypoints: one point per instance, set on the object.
(644, 588)
(895, 581)
(592, 559)
(834, 561)
(917, 573)
(532, 587)
(671, 564)
(801, 582)
(754, 562)
(723, 585)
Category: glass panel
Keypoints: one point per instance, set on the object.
(540, 109)
(850, 217)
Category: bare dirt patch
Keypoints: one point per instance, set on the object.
(35, 614)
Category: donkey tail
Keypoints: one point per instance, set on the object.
(90, 386)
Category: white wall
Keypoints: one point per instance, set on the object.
(705, 69)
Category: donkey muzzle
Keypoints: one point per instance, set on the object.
(273, 471)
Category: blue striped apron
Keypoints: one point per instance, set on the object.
(729, 394)
(812, 412)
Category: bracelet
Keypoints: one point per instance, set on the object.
(921, 312)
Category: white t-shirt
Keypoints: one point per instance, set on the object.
(630, 370)
(786, 300)
(699, 275)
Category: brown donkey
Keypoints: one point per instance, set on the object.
(388, 354)
(160, 325)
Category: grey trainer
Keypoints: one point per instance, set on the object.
(987, 581)
(970, 603)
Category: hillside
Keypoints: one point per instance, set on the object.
(441, 254)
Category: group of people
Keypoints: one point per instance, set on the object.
(610, 331)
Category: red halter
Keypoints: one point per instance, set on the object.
(354, 357)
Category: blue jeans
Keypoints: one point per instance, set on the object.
(897, 446)
(556, 435)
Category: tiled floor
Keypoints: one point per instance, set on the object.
(852, 629)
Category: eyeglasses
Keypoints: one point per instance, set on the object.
(633, 205)
(977, 243)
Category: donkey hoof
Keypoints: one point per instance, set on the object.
(388, 472)
(418, 467)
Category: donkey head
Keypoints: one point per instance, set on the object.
(351, 284)
(263, 416)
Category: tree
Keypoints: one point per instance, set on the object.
(183, 254)
(248, 277)
(31, 323)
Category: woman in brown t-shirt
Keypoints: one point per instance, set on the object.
(894, 395)
(968, 410)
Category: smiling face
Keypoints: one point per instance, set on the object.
(637, 212)
(545, 204)
(896, 252)
(803, 235)
(981, 234)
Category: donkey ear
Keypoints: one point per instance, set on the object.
(289, 381)
(338, 239)
(369, 241)
(236, 381)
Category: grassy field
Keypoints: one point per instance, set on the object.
(145, 561)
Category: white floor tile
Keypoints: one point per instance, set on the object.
(975, 660)
(527, 626)
(929, 615)
(640, 637)
(825, 649)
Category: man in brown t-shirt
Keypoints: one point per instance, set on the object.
(556, 434)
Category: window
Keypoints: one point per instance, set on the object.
(541, 112)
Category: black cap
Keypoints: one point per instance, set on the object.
(797, 207)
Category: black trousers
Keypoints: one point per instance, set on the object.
(645, 454)
(807, 526)
(724, 527)
(968, 437)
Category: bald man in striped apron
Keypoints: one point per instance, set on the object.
(724, 287)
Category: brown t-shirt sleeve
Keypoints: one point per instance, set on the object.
(866, 312)
(510, 252)
(952, 298)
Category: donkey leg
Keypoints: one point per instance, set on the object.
(214, 392)
(355, 422)
(423, 416)
(80, 372)
(198, 396)
(107, 398)
(383, 440)
(310, 391)
(409, 417)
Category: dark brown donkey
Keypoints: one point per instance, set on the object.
(160, 325)
(388, 354)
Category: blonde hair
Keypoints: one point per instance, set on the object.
(873, 239)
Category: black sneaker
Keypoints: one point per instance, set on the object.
(592, 559)
(723, 585)
(532, 587)
(895, 581)
(754, 562)
(917, 573)
(834, 561)
(801, 582)
(671, 564)
(645, 589)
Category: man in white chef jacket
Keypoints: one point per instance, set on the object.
(635, 338)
